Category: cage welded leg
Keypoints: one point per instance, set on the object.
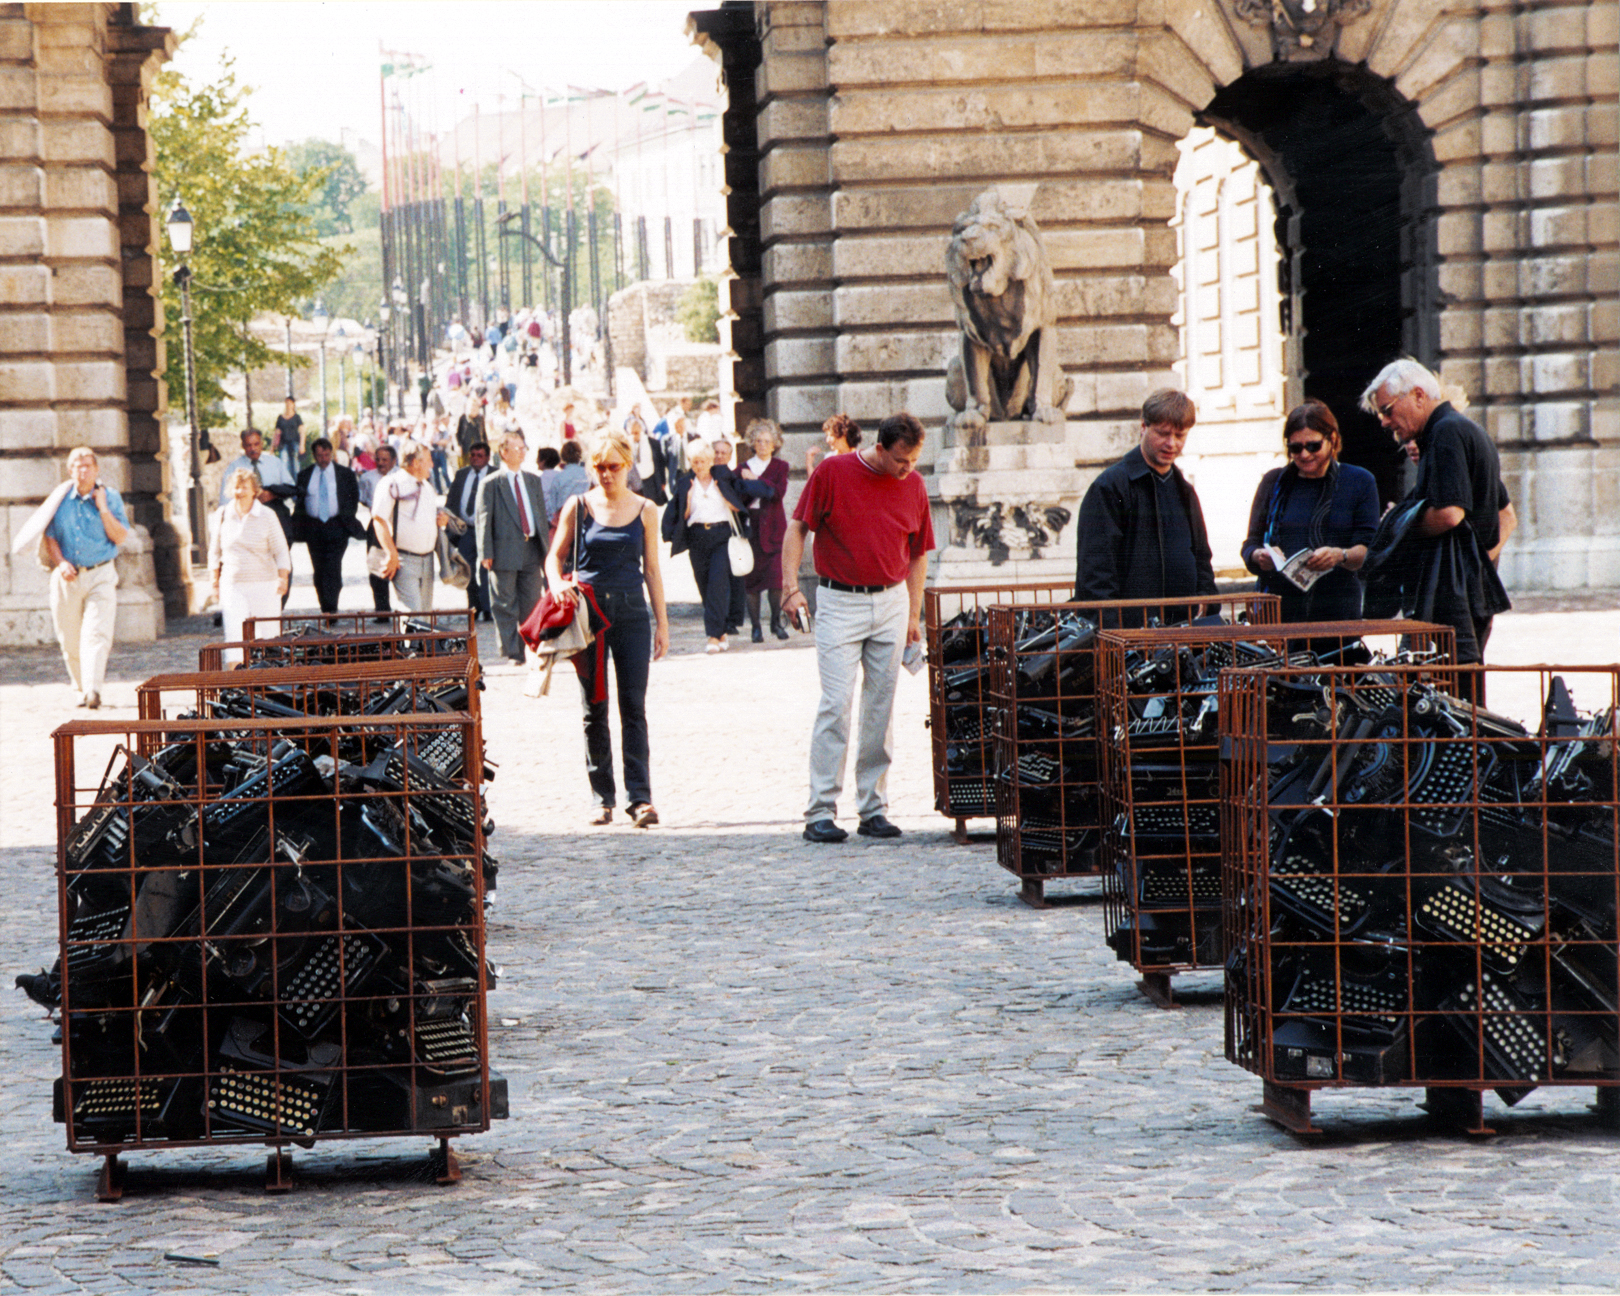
(1607, 1107)
(1462, 1109)
(959, 833)
(110, 1182)
(442, 1159)
(1289, 1106)
(1032, 891)
(1156, 986)
(278, 1171)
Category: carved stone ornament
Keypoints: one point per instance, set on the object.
(1301, 29)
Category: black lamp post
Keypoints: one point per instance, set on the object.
(567, 290)
(401, 302)
(384, 314)
(325, 321)
(180, 232)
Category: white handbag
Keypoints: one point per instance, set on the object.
(739, 552)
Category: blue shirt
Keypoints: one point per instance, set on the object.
(78, 531)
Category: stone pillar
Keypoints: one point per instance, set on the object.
(796, 221)
(1550, 323)
(63, 375)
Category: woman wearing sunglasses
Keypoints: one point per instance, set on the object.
(1314, 504)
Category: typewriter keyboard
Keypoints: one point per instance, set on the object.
(257, 1100)
(319, 978)
(1454, 913)
(1514, 1042)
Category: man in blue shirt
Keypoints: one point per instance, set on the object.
(81, 541)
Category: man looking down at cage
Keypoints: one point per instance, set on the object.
(869, 512)
(1443, 554)
(1141, 527)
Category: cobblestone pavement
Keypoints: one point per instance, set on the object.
(741, 1062)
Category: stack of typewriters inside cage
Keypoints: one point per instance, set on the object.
(1162, 754)
(1424, 890)
(964, 782)
(274, 931)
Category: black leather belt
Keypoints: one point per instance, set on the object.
(92, 566)
(827, 583)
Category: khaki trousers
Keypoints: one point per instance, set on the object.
(858, 637)
(84, 610)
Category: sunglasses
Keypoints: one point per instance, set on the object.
(1305, 447)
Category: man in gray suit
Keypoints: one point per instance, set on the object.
(512, 529)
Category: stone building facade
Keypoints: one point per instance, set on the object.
(80, 314)
(1438, 176)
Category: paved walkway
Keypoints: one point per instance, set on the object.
(739, 1062)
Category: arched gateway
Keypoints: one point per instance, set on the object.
(1441, 180)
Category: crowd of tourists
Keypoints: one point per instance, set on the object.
(472, 490)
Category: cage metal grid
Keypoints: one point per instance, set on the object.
(412, 685)
(1160, 788)
(1421, 892)
(278, 960)
(1043, 701)
(341, 650)
(366, 622)
(955, 641)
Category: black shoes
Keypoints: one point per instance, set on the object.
(877, 826)
(92, 701)
(824, 832)
(756, 635)
(777, 628)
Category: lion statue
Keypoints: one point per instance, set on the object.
(1005, 300)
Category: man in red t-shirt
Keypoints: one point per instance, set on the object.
(869, 512)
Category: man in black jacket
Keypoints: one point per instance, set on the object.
(463, 503)
(324, 508)
(1141, 527)
(1449, 554)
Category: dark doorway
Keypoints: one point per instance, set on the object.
(1349, 162)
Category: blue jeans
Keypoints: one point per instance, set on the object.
(629, 643)
(441, 471)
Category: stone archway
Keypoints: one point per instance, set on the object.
(1351, 164)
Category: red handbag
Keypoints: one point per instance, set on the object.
(560, 631)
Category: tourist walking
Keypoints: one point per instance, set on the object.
(462, 502)
(1318, 505)
(568, 480)
(290, 437)
(869, 513)
(407, 513)
(385, 464)
(699, 521)
(249, 559)
(616, 555)
(76, 532)
(767, 470)
(324, 519)
(510, 532)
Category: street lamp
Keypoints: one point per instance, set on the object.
(288, 321)
(567, 289)
(343, 390)
(402, 301)
(324, 321)
(180, 232)
(371, 386)
(385, 312)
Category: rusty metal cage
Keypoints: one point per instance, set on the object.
(1042, 708)
(321, 649)
(366, 622)
(1421, 891)
(1160, 758)
(955, 637)
(417, 685)
(271, 932)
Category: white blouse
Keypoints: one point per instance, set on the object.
(708, 504)
(248, 547)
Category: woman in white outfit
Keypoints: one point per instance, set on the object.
(250, 560)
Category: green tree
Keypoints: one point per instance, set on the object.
(699, 311)
(255, 247)
(337, 174)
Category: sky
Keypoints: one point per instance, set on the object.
(314, 66)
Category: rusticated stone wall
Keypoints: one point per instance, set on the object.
(80, 320)
(877, 121)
